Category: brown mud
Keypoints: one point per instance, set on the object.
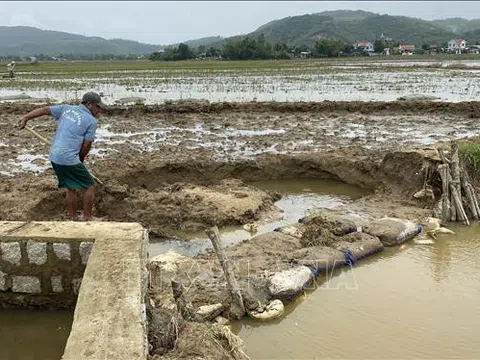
(167, 179)
(469, 108)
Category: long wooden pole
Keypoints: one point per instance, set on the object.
(443, 170)
(455, 167)
(48, 143)
(469, 195)
(214, 237)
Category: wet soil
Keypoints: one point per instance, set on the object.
(187, 167)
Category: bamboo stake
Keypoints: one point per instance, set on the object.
(455, 167)
(472, 190)
(469, 195)
(443, 157)
(443, 170)
(458, 204)
(214, 237)
(453, 209)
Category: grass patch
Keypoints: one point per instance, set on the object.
(469, 153)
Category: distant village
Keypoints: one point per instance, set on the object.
(454, 46)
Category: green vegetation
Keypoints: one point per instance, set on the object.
(469, 153)
(174, 53)
(458, 25)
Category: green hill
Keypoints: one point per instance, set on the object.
(206, 41)
(351, 26)
(25, 40)
(458, 25)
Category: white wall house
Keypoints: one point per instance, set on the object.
(364, 45)
(457, 45)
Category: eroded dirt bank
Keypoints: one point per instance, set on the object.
(193, 195)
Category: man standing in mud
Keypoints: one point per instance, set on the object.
(11, 68)
(73, 139)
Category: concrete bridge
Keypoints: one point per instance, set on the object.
(102, 266)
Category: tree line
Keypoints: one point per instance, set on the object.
(257, 48)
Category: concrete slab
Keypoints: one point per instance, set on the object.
(110, 319)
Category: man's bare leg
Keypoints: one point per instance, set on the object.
(88, 203)
(72, 204)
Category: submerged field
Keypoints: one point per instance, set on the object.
(364, 79)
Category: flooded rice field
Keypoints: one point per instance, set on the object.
(308, 80)
(412, 302)
(242, 134)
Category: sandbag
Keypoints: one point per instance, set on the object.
(392, 231)
(289, 283)
(273, 310)
(359, 245)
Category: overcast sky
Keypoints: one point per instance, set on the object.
(166, 22)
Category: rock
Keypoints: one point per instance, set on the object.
(291, 282)
(209, 312)
(273, 310)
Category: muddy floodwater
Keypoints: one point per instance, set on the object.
(298, 197)
(33, 335)
(412, 301)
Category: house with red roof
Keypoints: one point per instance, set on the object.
(364, 45)
(406, 49)
(457, 45)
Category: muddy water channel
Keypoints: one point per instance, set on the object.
(298, 197)
(412, 301)
(39, 335)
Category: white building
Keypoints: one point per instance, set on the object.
(457, 45)
(364, 45)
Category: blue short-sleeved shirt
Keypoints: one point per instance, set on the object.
(75, 124)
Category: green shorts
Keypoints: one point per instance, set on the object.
(73, 177)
